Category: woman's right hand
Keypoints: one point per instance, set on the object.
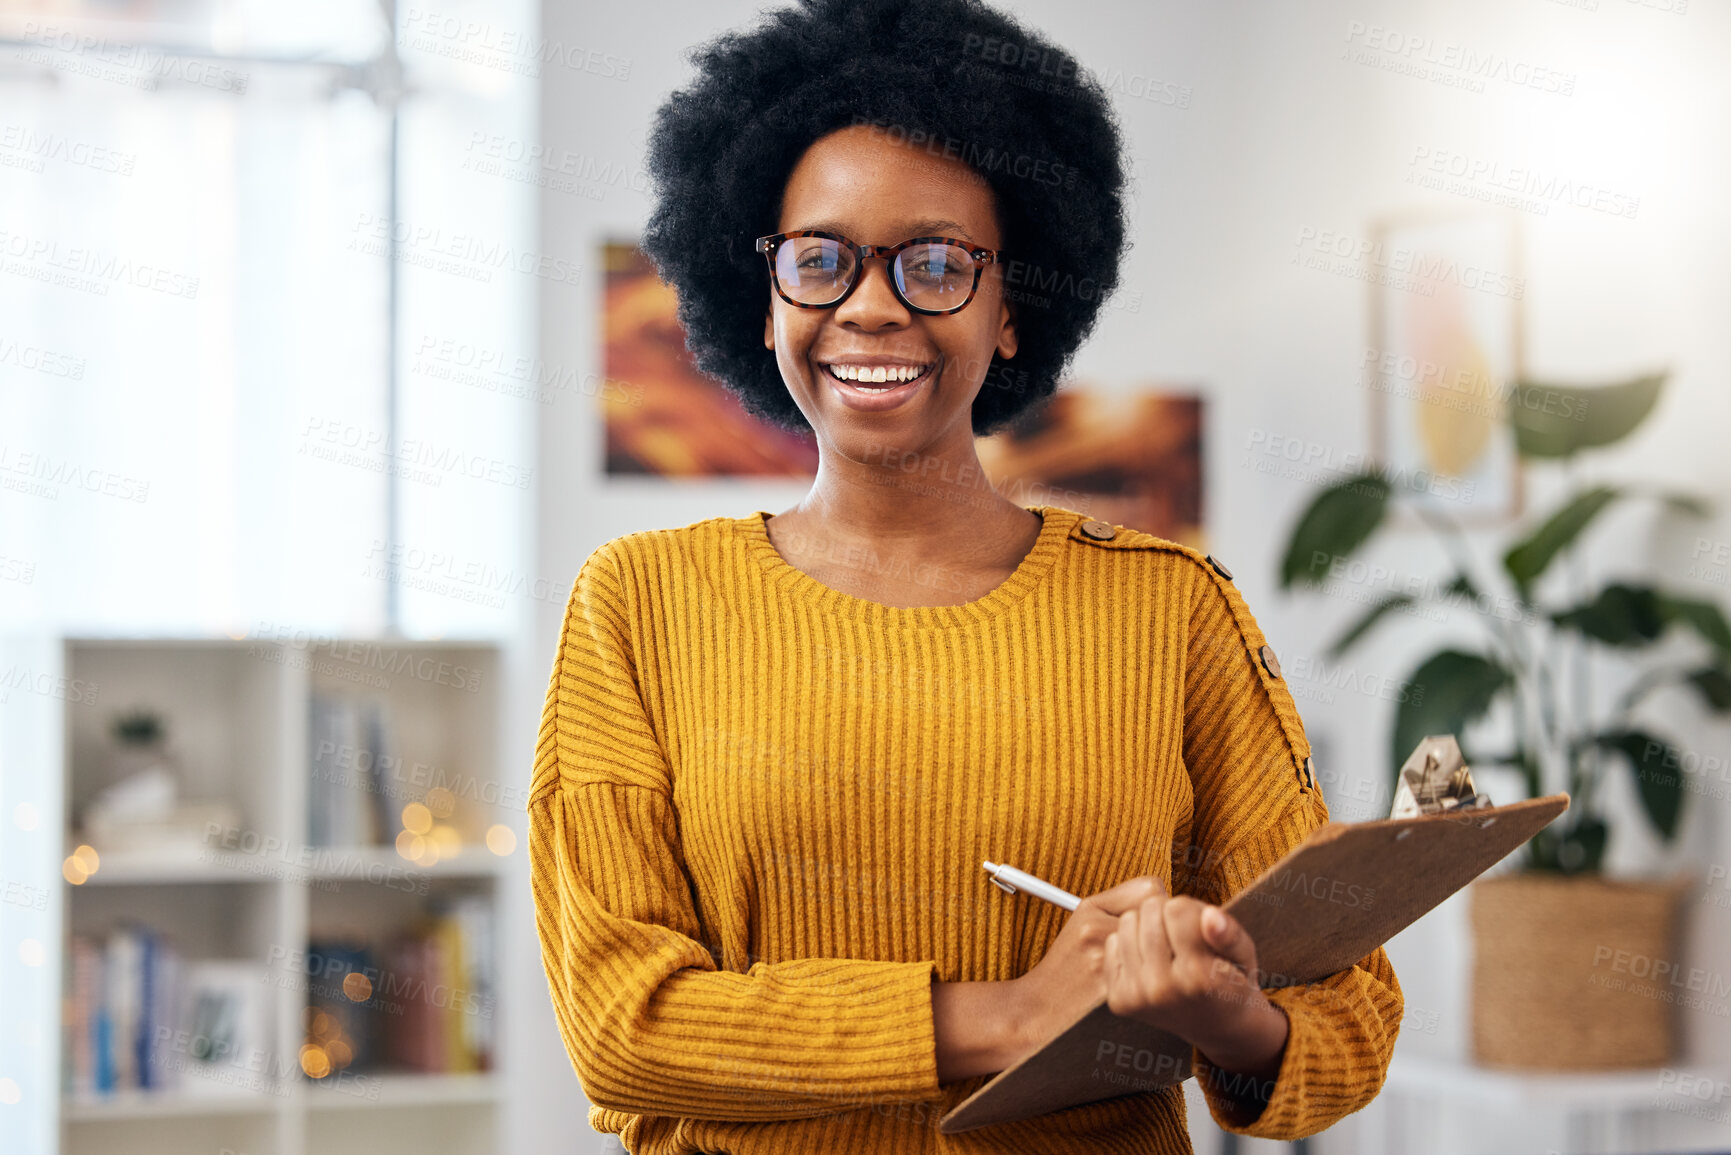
(1070, 979)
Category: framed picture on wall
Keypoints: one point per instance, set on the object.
(1446, 352)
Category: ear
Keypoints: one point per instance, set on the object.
(1008, 342)
(769, 329)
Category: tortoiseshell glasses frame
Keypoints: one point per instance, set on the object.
(978, 257)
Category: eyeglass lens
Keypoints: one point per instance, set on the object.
(818, 270)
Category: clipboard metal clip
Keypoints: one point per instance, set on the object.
(1436, 780)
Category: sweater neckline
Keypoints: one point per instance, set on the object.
(1055, 526)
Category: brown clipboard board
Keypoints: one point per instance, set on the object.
(1333, 899)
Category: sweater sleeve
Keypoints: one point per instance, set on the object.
(1255, 799)
(652, 1026)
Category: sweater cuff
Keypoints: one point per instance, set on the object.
(1289, 1113)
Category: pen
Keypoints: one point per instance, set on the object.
(1009, 879)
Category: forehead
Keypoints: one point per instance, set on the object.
(861, 182)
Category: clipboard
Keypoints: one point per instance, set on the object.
(1333, 899)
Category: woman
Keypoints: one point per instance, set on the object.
(776, 750)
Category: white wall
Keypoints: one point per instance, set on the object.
(1284, 132)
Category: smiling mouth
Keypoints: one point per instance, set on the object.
(878, 378)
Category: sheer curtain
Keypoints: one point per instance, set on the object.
(197, 428)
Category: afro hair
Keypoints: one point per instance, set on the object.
(952, 76)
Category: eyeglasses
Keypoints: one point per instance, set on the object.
(811, 269)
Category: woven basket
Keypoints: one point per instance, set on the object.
(1575, 974)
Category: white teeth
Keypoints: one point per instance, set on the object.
(877, 374)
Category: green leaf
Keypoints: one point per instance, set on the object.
(1624, 615)
(1558, 420)
(1714, 685)
(1620, 616)
(1372, 616)
(1705, 618)
(1527, 561)
(1337, 522)
(1688, 503)
(1448, 691)
(1463, 586)
(1660, 785)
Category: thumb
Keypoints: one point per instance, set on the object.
(1227, 936)
(1126, 895)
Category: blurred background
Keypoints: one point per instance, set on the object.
(326, 356)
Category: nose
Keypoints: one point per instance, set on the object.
(873, 304)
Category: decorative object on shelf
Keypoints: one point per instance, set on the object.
(140, 809)
(1533, 650)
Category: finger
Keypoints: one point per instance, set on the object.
(1128, 953)
(1127, 894)
(1194, 961)
(1156, 948)
(1227, 936)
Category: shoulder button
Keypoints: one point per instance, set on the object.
(1099, 530)
(1310, 772)
(1270, 662)
(1218, 568)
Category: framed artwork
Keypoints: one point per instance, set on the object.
(1446, 350)
(1130, 458)
(667, 419)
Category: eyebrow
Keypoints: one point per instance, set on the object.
(935, 226)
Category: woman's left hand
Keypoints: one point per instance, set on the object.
(1188, 967)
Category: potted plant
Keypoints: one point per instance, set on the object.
(1556, 984)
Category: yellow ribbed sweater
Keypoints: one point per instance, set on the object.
(760, 805)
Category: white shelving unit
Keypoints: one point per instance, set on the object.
(236, 714)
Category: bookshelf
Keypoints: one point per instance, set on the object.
(380, 954)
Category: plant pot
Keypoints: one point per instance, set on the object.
(1575, 974)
